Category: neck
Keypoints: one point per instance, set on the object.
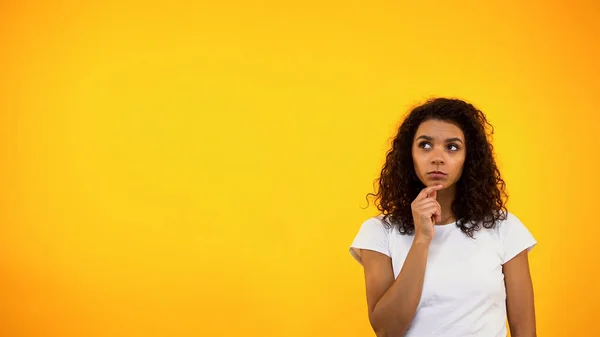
(445, 198)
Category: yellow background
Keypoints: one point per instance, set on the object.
(199, 170)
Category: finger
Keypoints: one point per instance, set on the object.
(425, 203)
(436, 217)
(428, 190)
(433, 194)
(430, 210)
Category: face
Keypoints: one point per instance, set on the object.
(439, 153)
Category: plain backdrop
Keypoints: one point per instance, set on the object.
(200, 170)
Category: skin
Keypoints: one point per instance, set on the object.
(440, 146)
(392, 303)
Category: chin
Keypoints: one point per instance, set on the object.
(430, 182)
(444, 181)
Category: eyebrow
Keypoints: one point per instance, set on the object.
(429, 138)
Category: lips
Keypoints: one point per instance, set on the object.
(436, 172)
(437, 175)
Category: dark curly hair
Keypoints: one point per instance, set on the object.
(481, 196)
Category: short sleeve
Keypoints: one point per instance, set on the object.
(372, 235)
(514, 237)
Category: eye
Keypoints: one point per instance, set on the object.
(425, 145)
(453, 147)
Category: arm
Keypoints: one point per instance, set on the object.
(392, 304)
(519, 296)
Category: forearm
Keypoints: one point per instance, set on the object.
(394, 312)
(523, 329)
(523, 333)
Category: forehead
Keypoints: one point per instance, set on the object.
(439, 130)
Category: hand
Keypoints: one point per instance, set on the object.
(426, 212)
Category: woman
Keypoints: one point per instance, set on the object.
(445, 258)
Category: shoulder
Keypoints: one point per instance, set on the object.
(378, 222)
(377, 225)
(373, 234)
(514, 236)
(509, 222)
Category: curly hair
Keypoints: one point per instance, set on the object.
(480, 198)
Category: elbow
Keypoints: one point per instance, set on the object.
(389, 329)
(388, 324)
(391, 332)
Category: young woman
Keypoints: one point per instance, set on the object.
(445, 258)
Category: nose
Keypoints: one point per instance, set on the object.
(437, 157)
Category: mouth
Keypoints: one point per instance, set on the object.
(437, 175)
(437, 172)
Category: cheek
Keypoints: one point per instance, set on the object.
(458, 166)
(416, 161)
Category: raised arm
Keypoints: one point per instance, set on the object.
(392, 304)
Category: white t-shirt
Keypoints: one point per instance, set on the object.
(463, 290)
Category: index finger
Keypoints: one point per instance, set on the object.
(428, 190)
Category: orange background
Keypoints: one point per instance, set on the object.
(199, 170)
